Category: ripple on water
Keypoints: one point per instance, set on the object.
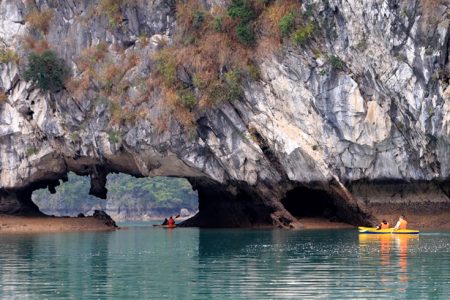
(148, 263)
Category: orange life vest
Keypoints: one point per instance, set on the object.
(384, 226)
(403, 224)
(171, 222)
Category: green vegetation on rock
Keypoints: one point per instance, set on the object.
(8, 55)
(243, 11)
(336, 62)
(234, 89)
(287, 23)
(245, 34)
(31, 151)
(187, 97)
(46, 71)
(114, 137)
(167, 67)
(127, 196)
(303, 33)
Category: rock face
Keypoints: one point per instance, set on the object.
(305, 131)
(101, 215)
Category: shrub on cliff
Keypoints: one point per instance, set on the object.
(243, 11)
(3, 96)
(214, 52)
(112, 9)
(166, 65)
(336, 62)
(8, 55)
(40, 20)
(187, 98)
(245, 34)
(303, 33)
(234, 89)
(46, 71)
(287, 23)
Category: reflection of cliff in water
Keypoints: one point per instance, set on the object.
(29, 269)
(266, 264)
(232, 260)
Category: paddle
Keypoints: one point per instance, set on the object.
(160, 225)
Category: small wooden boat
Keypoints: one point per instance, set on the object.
(373, 230)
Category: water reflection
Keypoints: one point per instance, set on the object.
(393, 253)
(51, 265)
(274, 264)
(149, 263)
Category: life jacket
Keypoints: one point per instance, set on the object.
(171, 222)
(384, 226)
(403, 224)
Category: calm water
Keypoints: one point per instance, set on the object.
(154, 263)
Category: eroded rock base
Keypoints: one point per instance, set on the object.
(232, 206)
(17, 203)
(425, 204)
(255, 206)
(330, 202)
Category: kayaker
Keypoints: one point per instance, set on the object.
(383, 225)
(165, 222)
(401, 223)
(171, 221)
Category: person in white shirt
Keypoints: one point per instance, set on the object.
(401, 223)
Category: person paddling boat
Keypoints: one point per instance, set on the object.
(383, 225)
(383, 228)
(401, 224)
(168, 223)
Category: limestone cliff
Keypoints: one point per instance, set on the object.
(357, 116)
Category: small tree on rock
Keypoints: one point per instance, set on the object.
(46, 71)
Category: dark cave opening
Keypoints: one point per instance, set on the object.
(222, 206)
(304, 202)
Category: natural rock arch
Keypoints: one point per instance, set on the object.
(230, 204)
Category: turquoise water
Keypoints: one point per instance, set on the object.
(188, 263)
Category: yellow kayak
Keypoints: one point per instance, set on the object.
(373, 230)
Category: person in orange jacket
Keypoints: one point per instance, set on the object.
(171, 221)
(401, 224)
(383, 225)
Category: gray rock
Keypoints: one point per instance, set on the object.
(383, 117)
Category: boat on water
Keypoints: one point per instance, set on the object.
(165, 226)
(169, 226)
(374, 230)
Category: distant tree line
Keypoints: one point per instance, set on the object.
(128, 197)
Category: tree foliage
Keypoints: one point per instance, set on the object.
(141, 195)
(244, 12)
(46, 71)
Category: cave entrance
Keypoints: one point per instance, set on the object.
(303, 202)
(128, 198)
